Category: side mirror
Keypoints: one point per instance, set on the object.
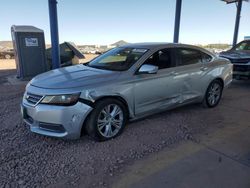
(148, 69)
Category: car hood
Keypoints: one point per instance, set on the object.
(73, 77)
(233, 54)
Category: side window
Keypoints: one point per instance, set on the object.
(205, 58)
(188, 57)
(161, 58)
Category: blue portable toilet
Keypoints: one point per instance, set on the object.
(29, 49)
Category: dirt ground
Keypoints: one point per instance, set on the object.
(9, 64)
(31, 160)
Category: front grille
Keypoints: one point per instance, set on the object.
(32, 98)
(243, 61)
(241, 68)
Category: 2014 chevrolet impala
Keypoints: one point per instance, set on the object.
(125, 83)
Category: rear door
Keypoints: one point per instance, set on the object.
(191, 71)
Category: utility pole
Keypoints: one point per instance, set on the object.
(177, 21)
(237, 22)
(54, 34)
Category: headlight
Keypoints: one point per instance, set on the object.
(62, 100)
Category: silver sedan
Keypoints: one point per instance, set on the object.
(125, 83)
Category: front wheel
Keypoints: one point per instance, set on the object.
(107, 120)
(213, 94)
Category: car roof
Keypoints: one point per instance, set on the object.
(154, 45)
(157, 45)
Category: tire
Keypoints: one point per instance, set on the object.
(213, 94)
(7, 56)
(101, 125)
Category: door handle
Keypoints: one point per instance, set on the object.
(204, 68)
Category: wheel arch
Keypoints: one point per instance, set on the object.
(204, 101)
(220, 80)
(116, 97)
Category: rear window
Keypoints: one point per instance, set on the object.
(205, 57)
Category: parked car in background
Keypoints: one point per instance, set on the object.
(240, 58)
(125, 83)
(98, 52)
(7, 54)
(69, 55)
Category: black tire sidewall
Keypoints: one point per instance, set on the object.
(91, 125)
(207, 93)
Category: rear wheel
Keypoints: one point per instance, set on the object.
(213, 94)
(107, 120)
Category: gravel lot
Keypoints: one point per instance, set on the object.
(30, 160)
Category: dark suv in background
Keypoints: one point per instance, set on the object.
(240, 58)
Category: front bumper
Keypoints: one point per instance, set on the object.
(56, 121)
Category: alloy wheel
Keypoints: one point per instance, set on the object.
(110, 120)
(214, 94)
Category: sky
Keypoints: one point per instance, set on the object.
(108, 21)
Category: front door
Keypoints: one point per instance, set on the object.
(157, 91)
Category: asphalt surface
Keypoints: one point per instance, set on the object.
(31, 160)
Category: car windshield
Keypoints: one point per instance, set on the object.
(117, 59)
(243, 46)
